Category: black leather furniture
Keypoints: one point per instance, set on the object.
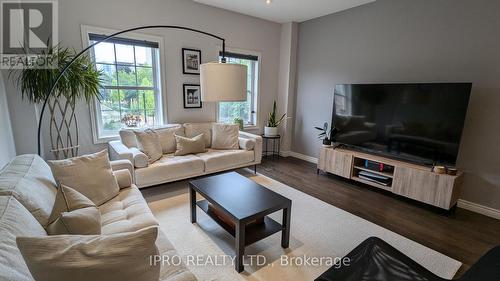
(375, 260)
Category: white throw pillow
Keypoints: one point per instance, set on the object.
(225, 136)
(91, 175)
(128, 138)
(149, 143)
(167, 137)
(117, 257)
(194, 129)
(73, 213)
(187, 146)
(85, 221)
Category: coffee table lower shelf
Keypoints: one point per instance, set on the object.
(254, 232)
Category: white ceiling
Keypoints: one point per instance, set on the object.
(286, 10)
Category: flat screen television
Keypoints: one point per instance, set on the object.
(420, 123)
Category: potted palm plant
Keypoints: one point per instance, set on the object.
(328, 136)
(81, 81)
(272, 123)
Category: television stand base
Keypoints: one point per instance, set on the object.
(417, 182)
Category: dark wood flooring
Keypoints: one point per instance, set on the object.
(462, 235)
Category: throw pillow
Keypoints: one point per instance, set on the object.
(86, 221)
(116, 257)
(73, 213)
(189, 145)
(194, 129)
(91, 175)
(128, 138)
(225, 136)
(149, 143)
(167, 137)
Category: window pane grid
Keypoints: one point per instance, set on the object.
(129, 96)
(229, 111)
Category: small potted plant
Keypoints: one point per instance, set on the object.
(327, 136)
(238, 121)
(272, 123)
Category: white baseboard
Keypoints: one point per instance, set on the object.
(303, 157)
(480, 209)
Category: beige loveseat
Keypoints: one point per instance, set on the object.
(27, 195)
(172, 168)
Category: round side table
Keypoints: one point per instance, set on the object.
(275, 148)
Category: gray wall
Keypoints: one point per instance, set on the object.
(409, 41)
(7, 148)
(241, 32)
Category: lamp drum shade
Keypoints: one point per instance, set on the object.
(223, 82)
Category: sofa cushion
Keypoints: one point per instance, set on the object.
(118, 257)
(167, 137)
(15, 220)
(169, 168)
(29, 179)
(187, 146)
(194, 129)
(225, 136)
(91, 175)
(126, 212)
(217, 160)
(73, 213)
(127, 137)
(148, 142)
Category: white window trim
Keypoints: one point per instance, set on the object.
(86, 30)
(257, 98)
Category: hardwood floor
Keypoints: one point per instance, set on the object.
(462, 235)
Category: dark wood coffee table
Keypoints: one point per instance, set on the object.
(242, 201)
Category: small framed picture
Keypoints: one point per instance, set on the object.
(191, 60)
(192, 96)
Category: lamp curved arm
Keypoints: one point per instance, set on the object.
(59, 76)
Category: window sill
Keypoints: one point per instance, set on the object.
(252, 129)
(104, 140)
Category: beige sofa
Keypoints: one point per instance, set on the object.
(172, 168)
(27, 195)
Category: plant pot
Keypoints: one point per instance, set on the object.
(327, 142)
(239, 122)
(270, 131)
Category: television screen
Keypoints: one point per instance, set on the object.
(421, 123)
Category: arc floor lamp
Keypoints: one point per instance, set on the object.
(220, 81)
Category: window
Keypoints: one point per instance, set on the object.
(131, 94)
(343, 103)
(229, 111)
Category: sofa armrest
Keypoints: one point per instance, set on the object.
(118, 165)
(124, 178)
(118, 151)
(246, 144)
(258, 144)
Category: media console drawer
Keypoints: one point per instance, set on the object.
(426, 186)
(336, 162)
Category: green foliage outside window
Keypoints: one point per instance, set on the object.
(128, 90)
(229, 111)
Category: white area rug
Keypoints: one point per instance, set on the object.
(317, 230)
